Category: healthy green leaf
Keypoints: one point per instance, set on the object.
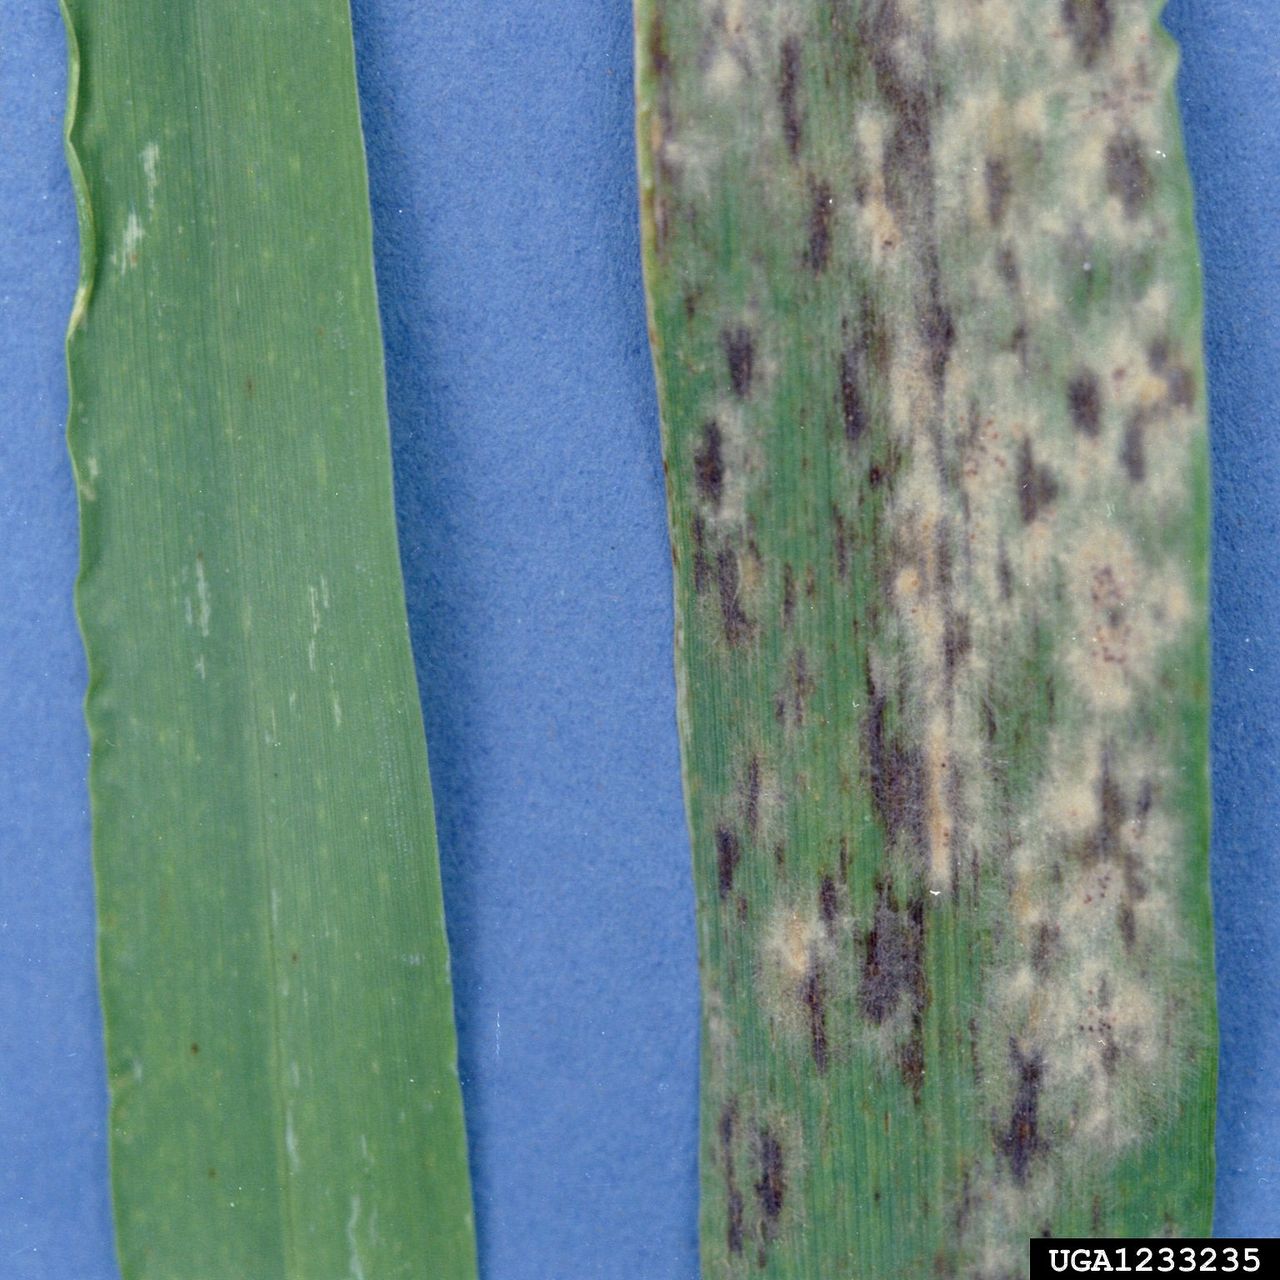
(280, 1044)
(925, 309)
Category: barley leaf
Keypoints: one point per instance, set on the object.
(925, 309)
(280, 1044)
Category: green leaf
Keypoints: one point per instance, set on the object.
(925, 309)
(280, 1043)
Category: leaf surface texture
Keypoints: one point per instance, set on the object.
(925, 309)
(280, 1043)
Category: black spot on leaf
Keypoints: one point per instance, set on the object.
(708, 465)
(893, 972)
(1104, 843)
(957, 641)
(1128, 176)
(788, 90)
(802, 686)
(892, 968)
(771, 1189)
(740, 354)
(1046, 945)
(1084, 401)
(817, 253)
(828, 902)
(896, 778)
(840, 536)
(939, 332)
(815, 1003)
(1127, 923)
(733, 1197)
(1036, 486)
(701, 566)
(788, 595)
(851, 403)
(1021, 1142)
(1089, 22)
(737, 626)
(751, 795)
(728, 855)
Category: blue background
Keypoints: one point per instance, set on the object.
(529, 487)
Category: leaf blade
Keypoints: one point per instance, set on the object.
(925, 315)
(273, 960)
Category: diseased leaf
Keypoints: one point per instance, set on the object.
(280, 1044)
(925, 310)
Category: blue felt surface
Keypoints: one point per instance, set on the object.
(530, 495)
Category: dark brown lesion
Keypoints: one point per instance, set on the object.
(1104, 847)
(1046, 948)
(853, 407)
(750, 788)
(708, 465)
(701, 564)
(1128, 175)
(840, 540)
(1179, 395)
(771, 1188)
(740, 356)
(663, 75)
(728, 855)
(1179, 381)
(957, 643)
(1084, 402)
(828, 903)
(1133, 448)
(999, 184)
(1127, 926)
(892, 969)
(937, 325)
(1021, 1142)
(817, 253)
(814, 996)
(866, 355)
(1105, 1030)
(893, 976)
(1105, 841)
(793, 701)
(734, 1205)
(908, 167)
(788, 95)
(1037, 486)
(1089, 23)
(907, 160)
(896, 779)
(738, 628)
